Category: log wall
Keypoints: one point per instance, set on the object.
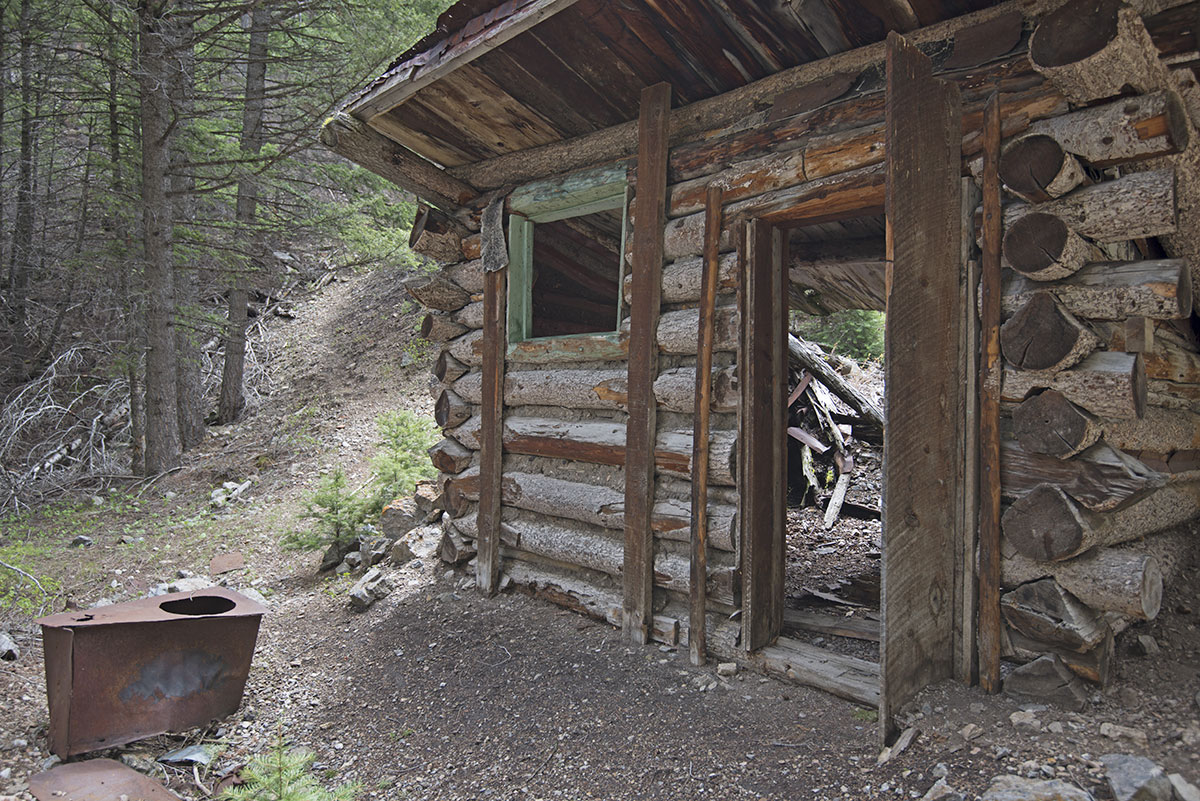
(1101, 310)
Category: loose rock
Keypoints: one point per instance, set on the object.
(370, 588)
(940, 791)
(401, 554)
(1018, 788)
(727, 669)
(398, 518)
(1135, 778)
(82, 541)
(1184, 790)
(9, 651)
(1116, 732)
(373, 550)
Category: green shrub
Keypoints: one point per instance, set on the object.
(857, 333)
(283, 774)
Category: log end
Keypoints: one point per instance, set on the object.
(1077, 30)
(1050, 424)
(1035, 243)
(1044, 524)
(1031, 165)
(1152, 589)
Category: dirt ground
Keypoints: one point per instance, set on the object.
(436, 692)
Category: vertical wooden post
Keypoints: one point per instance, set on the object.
(761, 479)
(643, 360)
(697, 642)
(989, 408)
(921, 448)
(966, 585)
(495, 343)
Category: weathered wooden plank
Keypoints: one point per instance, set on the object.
(643, 361)
(844, 676)
(921, 478)
(487, 566)
(763, 430)
(698, 606)
(856, 628)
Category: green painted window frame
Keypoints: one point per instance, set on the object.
(600, 189)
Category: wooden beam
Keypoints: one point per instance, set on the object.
(990, 620)
(405, 80)
(643, 361)
(697, 629)
(363, 145)
(487, 566)
(922, 473)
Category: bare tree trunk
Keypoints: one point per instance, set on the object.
(21, 258)
(154, 82)
(233, 399)
(189, 398)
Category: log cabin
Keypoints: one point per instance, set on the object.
(624, 200)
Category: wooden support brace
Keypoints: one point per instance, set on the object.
(487, 568)
(643, 361)
(697, 640)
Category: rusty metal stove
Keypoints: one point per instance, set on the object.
(119, 673)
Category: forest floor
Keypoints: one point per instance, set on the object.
(435, 692)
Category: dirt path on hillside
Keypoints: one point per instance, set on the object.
(437, 693)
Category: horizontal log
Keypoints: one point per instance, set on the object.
(467, 348)
(1109, 579)
(812, 358)
(1044, 336)
(1101, 477)
(449, 456)
(1042, 610)
(1046, 525)
(1042, 247)
(1106, 384)
(468, 275)
(603, 389)
(1129, 129)
(608, 347)
(1094, 665)
(681, 279)
(1163, 431)
(569, 542)
(564, 588)
(1092, 50)
(440, 328)
(448, 369)
(1036, 168)
(593, 504)
(678, 330)
(470, 315)
(1050, 424)
(436, 235)
(1134, 206)
(437, 292)
(844, 676)
(450, 409)
(1112, 290)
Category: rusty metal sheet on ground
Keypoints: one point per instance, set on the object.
(97, 780)
(225, 562)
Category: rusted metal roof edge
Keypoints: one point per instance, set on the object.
(479, 36)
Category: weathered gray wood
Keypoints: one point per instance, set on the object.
(449, 456)
(844, 676)
(448, 369)
(922, 477)
(468, 275)
(810, 356)
(467, 348)
(1106, 384)
(857, 628)
(451, 410)
(1042, 610)
(1092, 50)
(1124, 580)
(1047, 679)
(1100, 477)
(1094, 665)
(1114, 290)
(470, 315)
(1162, 430)
(1133, 206)
(361, 144)
(681, 280)
(1044, 336)
(436, 235)
(1050, 424)
(491, 453)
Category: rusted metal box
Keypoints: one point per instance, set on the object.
(119, 673)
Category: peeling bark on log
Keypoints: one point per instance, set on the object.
(1046, 525)
(1042, 247)
(1133, 206)
(450, 410)
(1106, 384)
(436, 236)
(1042, 610)
(440, 328)
(1092, 50)
(1101, 478)
(449, 456)
(1108, 579)
(1044, 336)
(448, 369)
(1114, 290)
(1050, 424)
(1036, 168)
(437, 292)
